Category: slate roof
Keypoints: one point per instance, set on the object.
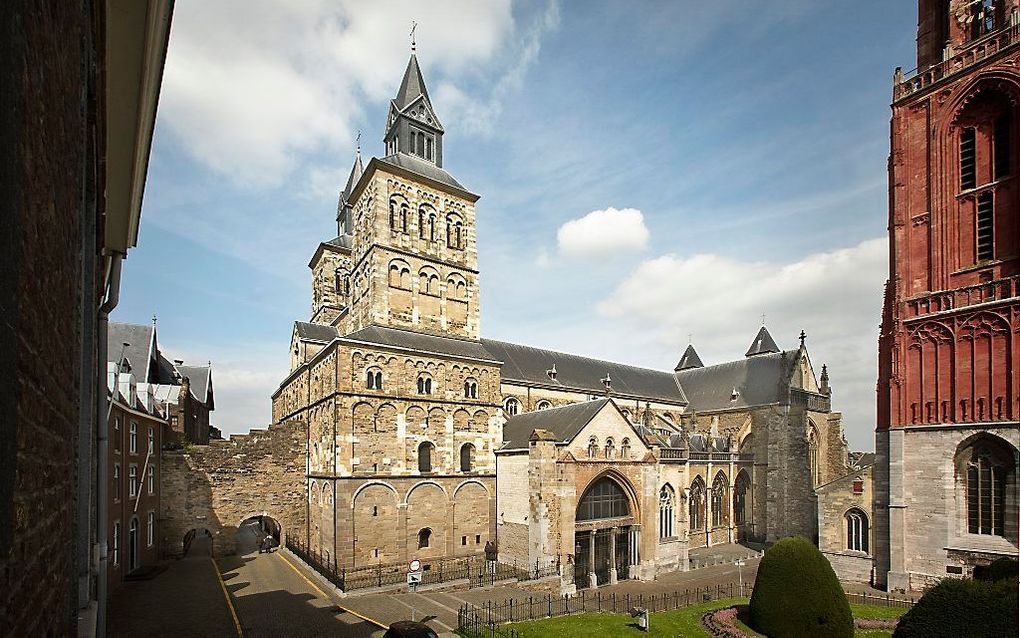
(758, 380)
(356, 172)
(411, 86)
(690, 359)
(573, 372)
(423, 168)
(200, 377)
(315, 331)
(406, 339)
(861, 460)
(763, 343)
(138, 352)
(564, 422)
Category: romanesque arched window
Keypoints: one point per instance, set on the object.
(432, 227)
(424, 537)
(373, 379)
(856, 530)
(719, 502)
(625, 448)
(593, 447)
(511, 406)
(467, 455)
(667, 499)
(610, 449)
(696, 505)
(394, 214)
(424, 384)
(986, 468)
(470, 389)
(543, 405)
(422, 222)
(403, 218)
(604, 499)
(813, 455)
(425, 457)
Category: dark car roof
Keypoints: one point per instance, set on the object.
(410, 629)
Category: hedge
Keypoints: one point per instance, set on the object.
(967, 608)
(797, 594)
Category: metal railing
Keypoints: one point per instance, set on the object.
(489, 619)
(475, 570)
(981, 49)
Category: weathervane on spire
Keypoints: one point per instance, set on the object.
(414, 25)
(357, 141)
(763, 318)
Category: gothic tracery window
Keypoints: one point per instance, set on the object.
(512, 406)
(696, 505)
(604, 499)
(719, 514)
(856, 530)
(666, 502)
(987, 472)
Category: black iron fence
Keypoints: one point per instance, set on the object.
(489, 619)
(475, 570)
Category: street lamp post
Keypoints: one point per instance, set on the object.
(740, 575)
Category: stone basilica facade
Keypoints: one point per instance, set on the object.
(425, 440)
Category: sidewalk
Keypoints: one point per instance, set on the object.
(185, 600)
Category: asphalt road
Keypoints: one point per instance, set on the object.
(273, 598)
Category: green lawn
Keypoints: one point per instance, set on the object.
(681, 622)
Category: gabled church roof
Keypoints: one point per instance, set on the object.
(763, 344)
(411, 86)
(564, 422)
(690, 359)
(315, 331)
(752, 381)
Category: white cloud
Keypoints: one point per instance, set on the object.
(834, 296)
(603, 233)
(251, 88)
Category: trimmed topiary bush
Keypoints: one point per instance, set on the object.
(1001, 569)
(956, 607)
(797, 594)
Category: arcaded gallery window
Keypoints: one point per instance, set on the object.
(856, 531)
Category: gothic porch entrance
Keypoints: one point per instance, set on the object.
(606, 536)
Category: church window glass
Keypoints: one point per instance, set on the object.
(666, 500)
(424, 384)
(425, 457)
(986, 492)
(512, 406)
(424, 536)
(740, 491)
(856, 530)
(696, 505)
(719, 517)
(602, 500)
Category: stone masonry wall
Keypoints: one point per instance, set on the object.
(218, 486)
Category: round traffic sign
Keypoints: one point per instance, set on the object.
(414, 565)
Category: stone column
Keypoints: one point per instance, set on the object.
(732, 492)
(593, 580)
(402, 531)
(612, 555)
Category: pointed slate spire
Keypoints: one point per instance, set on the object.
(689, 360)
(344, 221)
(763, 344)
(412, 85)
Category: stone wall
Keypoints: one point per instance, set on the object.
(48, 295)
(218, 486)
(835, 499)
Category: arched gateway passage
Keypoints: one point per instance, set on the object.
(606, 537)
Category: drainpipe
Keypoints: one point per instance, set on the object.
(112, 294)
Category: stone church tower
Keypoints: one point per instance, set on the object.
(948, 392)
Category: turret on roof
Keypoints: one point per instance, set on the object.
(690, 359)
(411, 86)
(763, 344)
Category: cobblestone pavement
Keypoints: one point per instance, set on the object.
(185, 600)
(274, 598)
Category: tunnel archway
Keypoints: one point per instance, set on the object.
(198, 542)
(259, 532)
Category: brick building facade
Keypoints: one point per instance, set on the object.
(80, 85)
(405, 403)
(948, 390)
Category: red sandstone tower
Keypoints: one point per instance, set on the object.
(947, 431)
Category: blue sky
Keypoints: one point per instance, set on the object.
(648, 171)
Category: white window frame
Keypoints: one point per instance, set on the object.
(151, 529)
(132, 480)
(116, 543)
(151, 478)
(133, 437)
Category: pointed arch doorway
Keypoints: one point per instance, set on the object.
(606, 534)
